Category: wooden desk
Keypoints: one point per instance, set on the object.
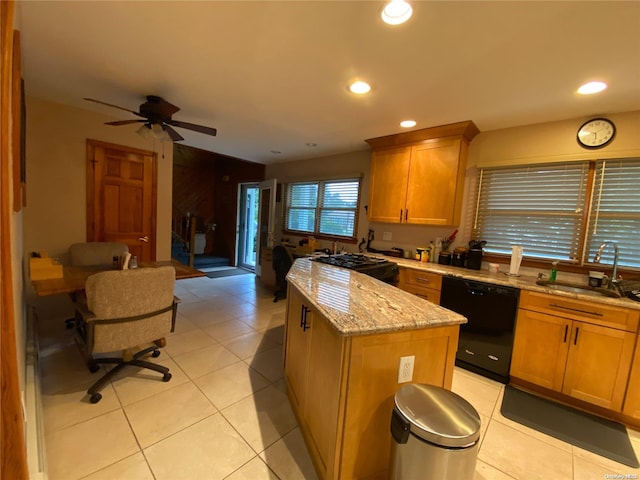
(74, 278)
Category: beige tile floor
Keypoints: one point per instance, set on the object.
(225, 415)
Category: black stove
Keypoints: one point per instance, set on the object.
(375, 267)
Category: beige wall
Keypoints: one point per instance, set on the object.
(553, 142)
(546, 142)
(55, 216)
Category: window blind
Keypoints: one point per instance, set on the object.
(323, 208)
(539, 207)
(615, 212)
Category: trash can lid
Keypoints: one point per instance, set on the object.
(438, 415)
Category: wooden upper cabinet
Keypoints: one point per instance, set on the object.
(418, 177)
(388, 186)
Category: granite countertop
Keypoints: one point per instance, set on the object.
(356, 304)
(522, 282)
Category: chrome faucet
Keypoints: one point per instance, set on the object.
(614, 274)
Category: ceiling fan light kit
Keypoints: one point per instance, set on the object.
(156, 116)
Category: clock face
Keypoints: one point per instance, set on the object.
(596, 133)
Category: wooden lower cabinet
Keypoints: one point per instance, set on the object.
(342, 387)
(581, 359)
(426, 285)
(631, 405)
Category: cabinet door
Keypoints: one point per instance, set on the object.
(297, 341)
(632, 400)
(540, 349)
(433, 187)
(323, 398)
(598, 364)
(388, 185)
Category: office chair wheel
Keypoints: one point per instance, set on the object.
(155, 354)
(95, 398)
(93, 367)
(166, 377)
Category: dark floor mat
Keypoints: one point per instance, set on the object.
(229, 272)
(598, 435)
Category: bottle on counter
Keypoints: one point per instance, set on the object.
(554, 271)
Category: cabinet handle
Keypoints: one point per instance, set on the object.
(597, 314)
(406, 215)
(575, 340)
(400, 215)
(423, 280)
(566, 330)
(305, 326)
(302, 315)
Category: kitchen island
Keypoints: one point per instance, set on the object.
(345, 334)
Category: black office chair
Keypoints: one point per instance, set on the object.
(282, 261)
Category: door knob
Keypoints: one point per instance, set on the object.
(144, 239)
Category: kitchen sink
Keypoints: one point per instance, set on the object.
(578, 288)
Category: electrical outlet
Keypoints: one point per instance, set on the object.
(405, 371)
(386, 236)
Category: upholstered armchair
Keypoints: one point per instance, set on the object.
(125, 311)
(93, 254)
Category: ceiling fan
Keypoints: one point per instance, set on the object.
(157, 113)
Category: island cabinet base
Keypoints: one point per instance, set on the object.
(342, 387)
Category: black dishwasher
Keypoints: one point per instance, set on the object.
(486, 340)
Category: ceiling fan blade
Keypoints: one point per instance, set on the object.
(175, 136)
(124, 122)
(111, 105)
(194, 127)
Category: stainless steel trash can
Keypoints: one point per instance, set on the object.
(435, 435)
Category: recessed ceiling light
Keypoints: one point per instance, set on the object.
(592, 87)
(407, 123)
(360, 87)
(396, 12)
(276, 152)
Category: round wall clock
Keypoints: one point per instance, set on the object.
(596, 133)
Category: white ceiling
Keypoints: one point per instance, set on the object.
(273, 75)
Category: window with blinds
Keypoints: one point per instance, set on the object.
(544, 207)
(539, 207)
(328, 208)
(615, 212)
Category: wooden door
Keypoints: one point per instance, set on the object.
(540, 349)
(121, 197)
(388, 184)
(433, 180)
(598, 364)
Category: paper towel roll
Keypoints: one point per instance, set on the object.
(516, 258)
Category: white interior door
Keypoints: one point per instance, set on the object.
(266, 218)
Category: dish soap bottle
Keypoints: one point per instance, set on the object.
(554, 271)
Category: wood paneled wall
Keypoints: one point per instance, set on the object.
(205, 184)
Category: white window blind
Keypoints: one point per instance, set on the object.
(327, 208)
(615, 212)
(539, 207)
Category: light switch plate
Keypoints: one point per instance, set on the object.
(386, 236)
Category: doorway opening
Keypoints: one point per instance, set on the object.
(248, 225)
